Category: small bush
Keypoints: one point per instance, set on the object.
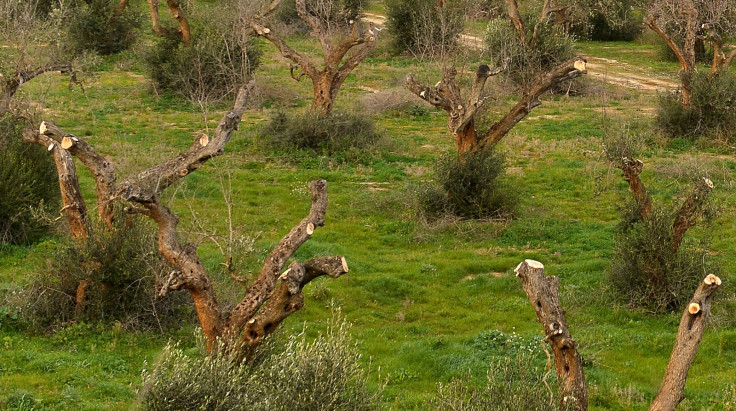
(287, 375)
(643, 245)
(514, 383)
(211, 67)
(91, 28)
(712, 113)
(28, 183)
(526, 62)
(338, 134)
(423, 28)
(469, 187)
(120, 269)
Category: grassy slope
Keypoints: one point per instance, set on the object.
(418, 296)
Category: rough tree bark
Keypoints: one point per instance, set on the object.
(542, 294)
(446, 95)
(102, 169)
(689, 335)
(71, 195)
(335, 48)
(272, 297)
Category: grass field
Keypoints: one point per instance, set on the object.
(420, 295)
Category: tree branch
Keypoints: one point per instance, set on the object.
(263, 286)
(103, 170)
(149, 184)
(71, 195)
(542, 294)
(689, 335)
(568, 70)
(286, 51)
(516, 20)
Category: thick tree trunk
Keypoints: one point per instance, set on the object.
(542, 294)
(323, 92)
(689, 335)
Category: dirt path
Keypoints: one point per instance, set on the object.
(607, 70)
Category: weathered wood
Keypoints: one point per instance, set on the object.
(689, 335)
(102, 169)
(155, 18)
(71, 195)
(543, 296)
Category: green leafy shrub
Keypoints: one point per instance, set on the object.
(91, 28)
(119, 268)
(421, 27)
(514, 383)
(214, 64)
(324, 374)
(646, 244)
(468, 187)
(346, 135)
(712, 113)
(28, 183)
(526, 62)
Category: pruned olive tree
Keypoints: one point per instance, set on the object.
(542, 292)
(685, 25)
(153, 6)
(463, 111)
(274, 295)
(345, 44)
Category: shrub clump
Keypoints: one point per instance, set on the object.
(344, 134)
(210, 68)
(285, 375)
(527, 61)
(28, 184)
(468, 187)
(712, 113)
(422, 27)
(109, 276)
(644, 245)
(514, 383)
(91, 27)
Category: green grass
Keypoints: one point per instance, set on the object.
(418, 295)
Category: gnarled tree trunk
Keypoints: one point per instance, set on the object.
(461, 121)
(335, 48)
(542, 293)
